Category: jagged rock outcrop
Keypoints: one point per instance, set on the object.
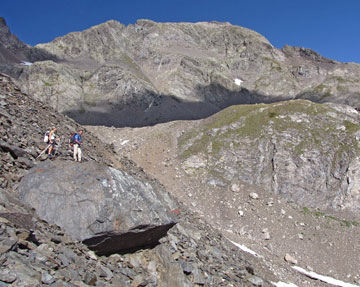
(14, 51)
(150, 72)
(105, 208)
(306, 152)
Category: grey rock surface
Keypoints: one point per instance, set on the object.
(105, 208)
(305, 152)
(149, 72)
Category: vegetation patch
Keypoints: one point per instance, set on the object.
(47, 84)
(347, 223)
(309, 125)
(275, 65)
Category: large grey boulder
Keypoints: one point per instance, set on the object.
(105, 208)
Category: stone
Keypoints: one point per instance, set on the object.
(138, 281)
(90, 279)
(7, 276)
(254, 195)
(290, 259)
(256, 281)
(105, 272)
(92, 255)
(15, 151)
(186, 266)
(46, 278)
(266, 236)
(7, 244)
(173, 276)
(107, 218)
(198, 277)
(235, 187)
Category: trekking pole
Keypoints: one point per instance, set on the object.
(57, 147)
(43, 151)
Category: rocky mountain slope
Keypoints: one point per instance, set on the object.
(280, 178)
(150, 72)
(34, 251)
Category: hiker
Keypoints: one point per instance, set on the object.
(77, 146)
(52, 142)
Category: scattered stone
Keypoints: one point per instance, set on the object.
(7, 276)
(290, 259)
(256, 281)
(90, 279)
(235, 188)
(46, 278)
(198, 277)
(254, 195)
(92, 255)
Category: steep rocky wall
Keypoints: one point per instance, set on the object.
(308, 153)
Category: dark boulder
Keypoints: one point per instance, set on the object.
(105, 208)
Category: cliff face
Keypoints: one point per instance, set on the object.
(150, 72)
(306, 152)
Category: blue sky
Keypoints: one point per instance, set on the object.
(330, 27)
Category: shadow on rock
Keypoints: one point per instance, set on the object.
(151, 109)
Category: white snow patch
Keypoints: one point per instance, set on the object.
(26, 63)
(244, 248)
(323, 278)
(282, 284)
(238, 82)
(125, 142)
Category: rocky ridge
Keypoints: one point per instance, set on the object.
(14, 51)
(149, 72)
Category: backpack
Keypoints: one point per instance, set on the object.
(72, 139)
(46, 137)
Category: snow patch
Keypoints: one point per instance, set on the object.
(282, 284)
(238, 82)
(323, 278)
(26, 63)
(244, 248)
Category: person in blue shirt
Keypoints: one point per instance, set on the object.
(77, 146)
